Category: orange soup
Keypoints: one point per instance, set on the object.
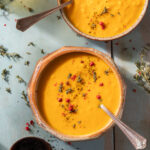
(104, 18)
(71, 89)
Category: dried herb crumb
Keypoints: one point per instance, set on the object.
(60, 88)
(28, 53)
(94, 76)
(24, 97)
(42, 51)
(69, 91)
(58, 17)
(21, 80)
(79, 79)
(31, 44)
(8, 90)
(105, 10)
(74, 125)
(27, 63)
(69, 76)
(5, 75)
(10, 67)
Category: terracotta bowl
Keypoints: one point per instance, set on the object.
(33, 85)
(105, 38)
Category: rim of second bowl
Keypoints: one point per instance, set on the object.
(105, 38)
(33, 84)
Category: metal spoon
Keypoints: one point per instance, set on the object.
(24, 23)
(137, 140)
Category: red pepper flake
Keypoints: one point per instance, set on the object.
(98, 97)
(101, 84)
(60, 99)
(116, 43)
(69, 143)
(73, 77)
(134, 90)
(68, 100)
(102, 25)
(89, 90)
(67, 83)
(27, 124)
(55, 84)
(92, 63)
(27, 128)
(133, 48)
(130, 40)
(71, 108)
(32, 122)
(4, 25)
(64, 114)
(81, 61)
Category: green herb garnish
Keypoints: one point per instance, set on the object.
(69, 76)
(94, 76)
(69, 91)
(60, 88)
(79, 79)
(105, 10)
(42, 51)
(8, 90)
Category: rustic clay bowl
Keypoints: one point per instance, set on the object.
(105, 38)
(33, 85)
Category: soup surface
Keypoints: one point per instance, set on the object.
(71, 89)
(104, 18)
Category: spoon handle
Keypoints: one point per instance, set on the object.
(137, 140)
(24, 23)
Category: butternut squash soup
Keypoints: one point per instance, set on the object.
(71, 89)
(104, 18)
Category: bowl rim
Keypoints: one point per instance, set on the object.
(105, 38)
(33, 84)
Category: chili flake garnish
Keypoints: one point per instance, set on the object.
(27, 124)
(27, 128)
(102, 25)
(32, 122)
(68, 100)
(71, 108)
(92, 63)
(98, 97)
(81, 61)
(60, 99)
(67, 83)
(134, 90)
(101, 84)
(73, 77)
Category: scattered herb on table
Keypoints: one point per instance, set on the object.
(10, 67)
(8, 90)
(42, 51)
(28, 53)
(4, 53)
(27, 63)
(31, 44)
(58, 17)
(24, 97)
(30, 9)
(5, 75)
(21, 80)
(142, 75)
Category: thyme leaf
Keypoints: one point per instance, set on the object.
(21, 80)
(25, 98)
(5, 75)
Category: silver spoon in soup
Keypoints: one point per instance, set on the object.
(137, 140)
(24, 23)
